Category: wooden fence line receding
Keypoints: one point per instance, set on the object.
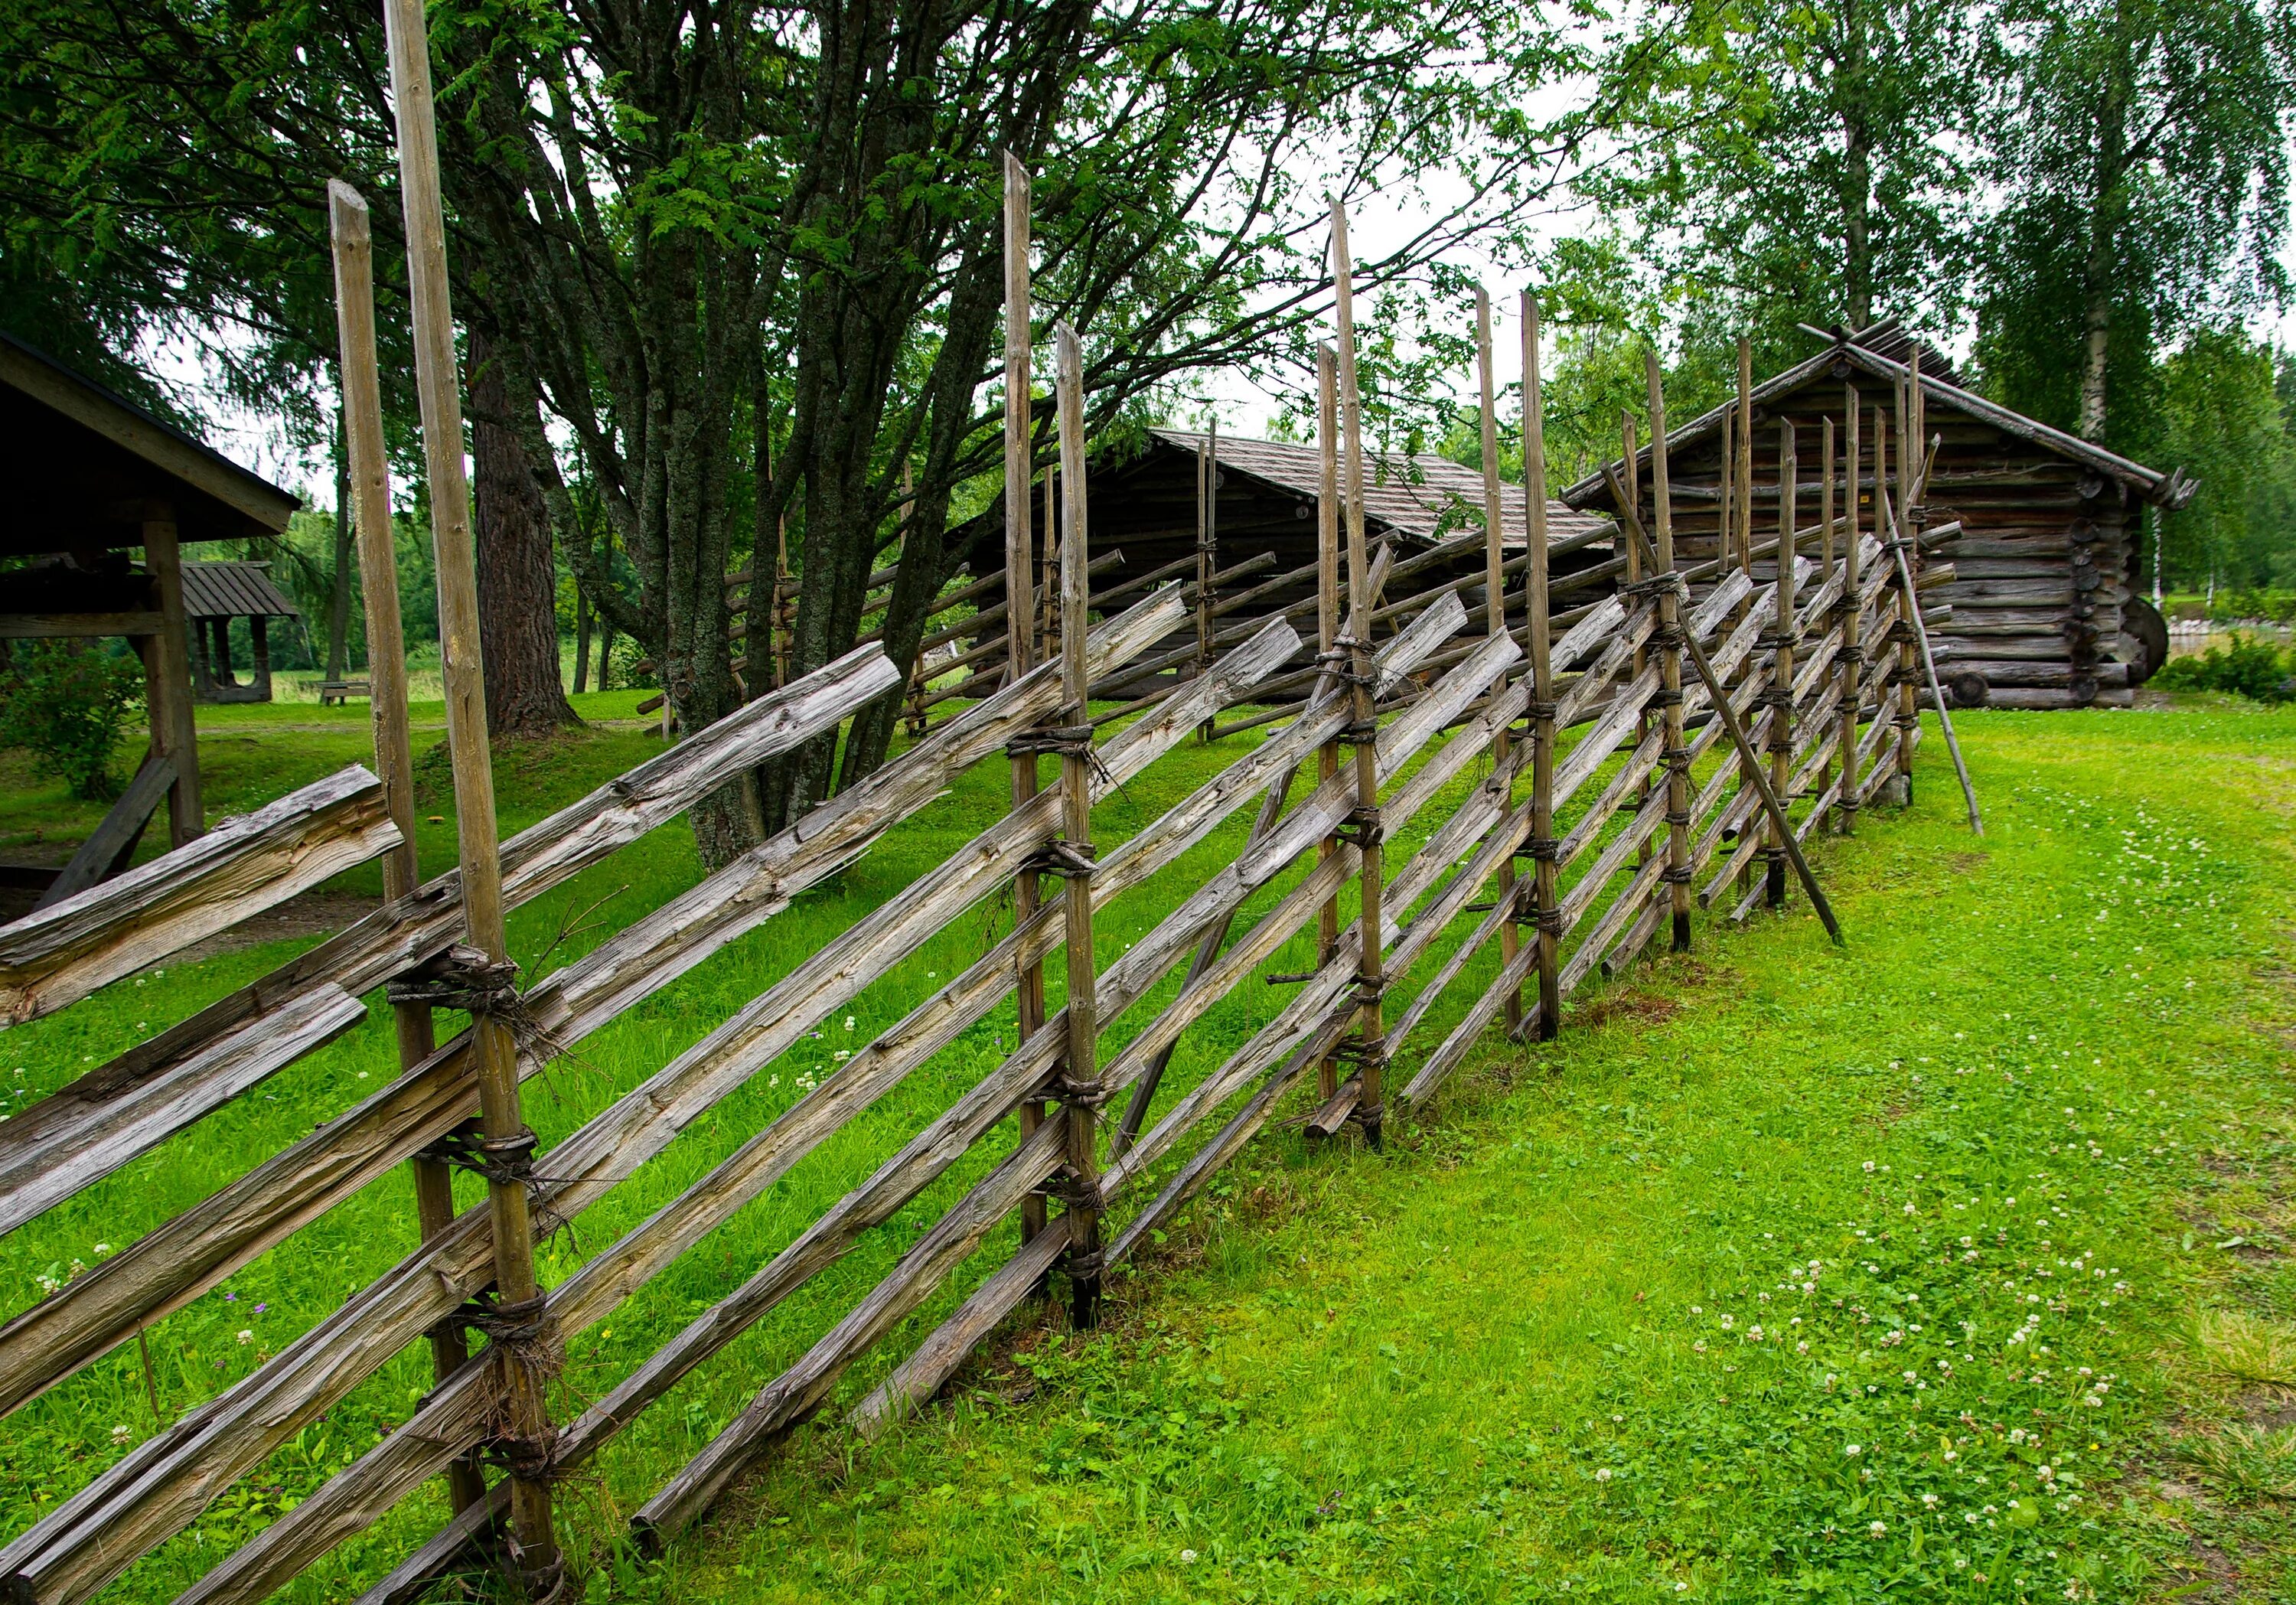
(1673, 785)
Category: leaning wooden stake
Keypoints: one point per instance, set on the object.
(1021, 605)
(1079, 1084)
(386, 650)
(1782, 662)
(1669, 637)
(1495, 592)
(519, 1347)
(1722, 709)
(1546, 915)
(1370, 1047)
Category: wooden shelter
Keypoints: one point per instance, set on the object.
(216, 593)
(2046, 610)
(96, 484)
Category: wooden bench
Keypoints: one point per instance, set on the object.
(343, 691)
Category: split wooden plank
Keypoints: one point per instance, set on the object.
(71, 1155)
(245, 864)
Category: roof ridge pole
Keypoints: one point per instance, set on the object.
(522, 1348)
(1022, 628)
(1078, 1084)
(394, 755)
(1503, 774)
(1546, 918)
(1370, 1046)
(1675, 876)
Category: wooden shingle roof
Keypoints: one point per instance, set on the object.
(1425, 498)
(223, 590)
(1869, 352)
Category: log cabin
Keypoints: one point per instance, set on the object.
(2045, 605)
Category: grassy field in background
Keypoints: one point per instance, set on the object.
(1954, 1266)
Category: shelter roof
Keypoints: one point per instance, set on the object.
(81, 461)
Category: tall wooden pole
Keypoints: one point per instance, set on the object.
(1546, 917)
(1020, 601)
(1828, 544)
(1494, 610)
(1328, 634)
(1782, 660)
(1745, 460)
(1080, 1082)
(1675, 876)
(1909, 468)
(1371, 1047)
(386, 651)
(1206, 562)
(1628, 451)
(523, 1413)
(1853, 618)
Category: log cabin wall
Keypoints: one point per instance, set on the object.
(2043, 566)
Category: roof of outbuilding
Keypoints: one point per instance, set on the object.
(74, 450)
(1880, 352)
(223, 590)
(1428, 497)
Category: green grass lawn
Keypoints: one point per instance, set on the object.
(2004, 1187)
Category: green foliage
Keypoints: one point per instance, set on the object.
(2248, 668)
(69, 703)
(2237, 607)
(2223, 419)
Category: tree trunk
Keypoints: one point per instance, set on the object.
(1856, 172)
(2108, 216)
(338, 599)
(518, 586)
(581, 643)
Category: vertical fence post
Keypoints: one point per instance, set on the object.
(519, 1335)
(386, 651)
(1206, 562)
(1328, 634)
(1782, 662)
(1853, 615)
(1628, 447)
(1546, 917)
(1909, 718)
(1364, 822)
(1020, 603)
(1725, 493)
(1744, 465)
(1827, 548)
(1675, 876)
(1079, 1083)
(1495, 613)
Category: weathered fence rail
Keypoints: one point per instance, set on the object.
(1520, 802)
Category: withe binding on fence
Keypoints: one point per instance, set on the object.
(1473, 821)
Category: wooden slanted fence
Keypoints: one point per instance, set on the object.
(1642, 750)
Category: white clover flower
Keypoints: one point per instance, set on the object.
(1727, 1323)
(1878, 1529)
(1187, 1557)
(1853, 1449)
(123, 1432)
(245, 1336)
(1603, 1474)
(1930, 1501)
